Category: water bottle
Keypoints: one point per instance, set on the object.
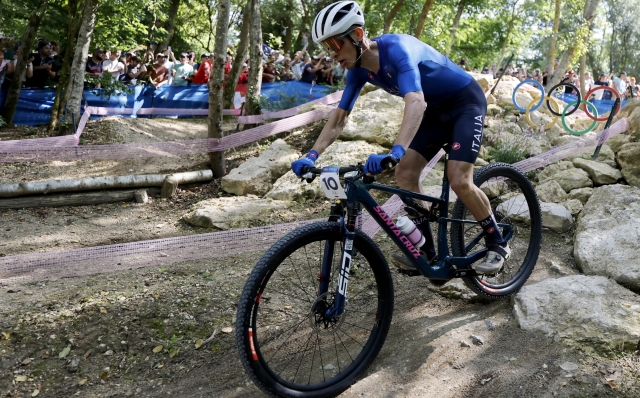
(409, 229)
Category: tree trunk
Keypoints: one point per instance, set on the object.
(289, 34)
(75, 199)
(13, 94)
(588, 15)
(583, 69)
(553, 43)
(505, 44)
(67, 59)
(255, 72)
(423, 17)
(241, 54)
(392, 14)
(169, 25)
(456, 22)
(75, 87)
(215, 85)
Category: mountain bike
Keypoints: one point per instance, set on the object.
(317, 307)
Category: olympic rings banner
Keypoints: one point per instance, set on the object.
(569, 94)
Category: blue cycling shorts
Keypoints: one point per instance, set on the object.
(455, 124)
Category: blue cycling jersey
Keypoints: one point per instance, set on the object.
(407, 65)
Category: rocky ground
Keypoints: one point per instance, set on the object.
(168, 331)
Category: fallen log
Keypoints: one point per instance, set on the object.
(96, 183)
(74, 199)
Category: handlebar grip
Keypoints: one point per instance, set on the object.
(389, 162)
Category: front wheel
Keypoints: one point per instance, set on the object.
(286, 344)
(513, 202)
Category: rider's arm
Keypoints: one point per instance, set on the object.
(332, 129)
(414, 106)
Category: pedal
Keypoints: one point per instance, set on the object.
(408, 272)
(463, 273)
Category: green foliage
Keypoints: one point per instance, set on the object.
(106, 87)
(2, 122)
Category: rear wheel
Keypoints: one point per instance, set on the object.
(514, 202)
(286, 344)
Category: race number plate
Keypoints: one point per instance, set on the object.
(330, 183)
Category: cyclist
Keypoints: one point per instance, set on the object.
(404, 66)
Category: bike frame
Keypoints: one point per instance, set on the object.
(447, 267)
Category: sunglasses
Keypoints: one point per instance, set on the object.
(335, 44)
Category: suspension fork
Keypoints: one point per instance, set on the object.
(348, 234)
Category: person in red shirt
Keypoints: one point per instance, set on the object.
(244, 74)
(204, 71)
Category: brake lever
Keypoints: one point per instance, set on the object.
(309, 177)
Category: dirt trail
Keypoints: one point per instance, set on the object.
(113, 323)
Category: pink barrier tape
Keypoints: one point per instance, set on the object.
(69, 263)
(83, 123)
(24, 268)
(254, 119)
(172, 148)
(101, 111)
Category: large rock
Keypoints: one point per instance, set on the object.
(600, 173)
(606, 155)
(549, 171)
(231, 213)
(551, 192)
(493, 110)
(571, 179)
(632, 112)
(556, 217)
(485, 81)
(617, 141)
(607, 235)
(582, 309)
(376, 117)
(341, 153)
(573, 205)
(582, 194)
(628, 156)
(522, 98)
(257, 174)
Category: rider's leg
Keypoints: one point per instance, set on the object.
(460, 175)
(409, 169)
(408, 177)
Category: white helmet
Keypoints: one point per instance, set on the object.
(335, 19)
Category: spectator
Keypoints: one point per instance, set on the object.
(182, 71)
(42, 67)
(285, 74)
(633, 88)
(94, 63)
(204, 70)
(55, 49)
(297, 64)
(192, 59)
(244, 74)
(620, 83)
(588, 83)
(304, 39)
(337, 74)
(603, 80)
(310, 69)
(158, 73)
(168, 63)
(493, 70)
(11, 73)
(113, 65)
(269, 73)
(322, 76)
(279, 58)
(6, 67)
(485, 70)
(228, 64)
(134, 71)
(464, 65)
